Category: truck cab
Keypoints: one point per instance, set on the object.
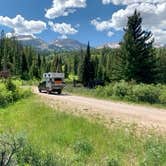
(53, 82)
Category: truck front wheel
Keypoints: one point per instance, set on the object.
(48, 92)
(59, 91)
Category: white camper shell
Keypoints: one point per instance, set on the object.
(53, 75)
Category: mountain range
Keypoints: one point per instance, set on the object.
(56, 45)
(62, 44)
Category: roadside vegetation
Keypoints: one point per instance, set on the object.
(16, 150)
(125, 91)
(56, 137)
(11, 91)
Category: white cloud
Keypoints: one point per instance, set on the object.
(63, 29)
(64, 8)
(22, 26)
(160, 36)
(101, 25)
(128, 2)
(152, 11)
(9, 35)
(110, 34)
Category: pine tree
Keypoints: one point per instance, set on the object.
(96, 66)
(161, 64)
(137, 60)
(75, 67)
(81, 66)
(57, 64)
(118, 66)
(43, 64)
(24, 67)
(88, 69)
(4, 51)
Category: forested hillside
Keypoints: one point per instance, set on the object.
(136, 59)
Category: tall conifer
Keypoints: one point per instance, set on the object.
(137, 55)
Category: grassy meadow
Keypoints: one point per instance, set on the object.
(77, 141)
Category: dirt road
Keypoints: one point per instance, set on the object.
(108, 110)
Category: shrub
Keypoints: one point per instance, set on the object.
(162, 97)
(31, 156)
(15, 150)
(10, 86)
(146, 93)
(100, 91)
(6, 97)
(113, 162)
(10, 145)
(83, 147)
(10, 92)
(108, 90)
(2, 87)
(134, 92)
(17, 82)
(24, 92)
(121, 89)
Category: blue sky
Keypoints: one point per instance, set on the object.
(97, 21)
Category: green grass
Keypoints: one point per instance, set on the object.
(79, 141)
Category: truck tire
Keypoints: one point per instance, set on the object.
(59, 91)
(48, 92)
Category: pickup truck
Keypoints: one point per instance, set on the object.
(53, 82)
